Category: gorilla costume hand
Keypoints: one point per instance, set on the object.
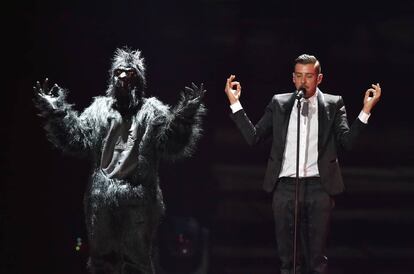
(48, 99)
(190, 101)
(194, 93)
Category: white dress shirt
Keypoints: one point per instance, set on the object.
(308, 145)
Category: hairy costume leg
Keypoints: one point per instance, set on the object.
(120, 240)
(103, 241)
(136, 242)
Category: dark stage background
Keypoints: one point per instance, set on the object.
(72, 42)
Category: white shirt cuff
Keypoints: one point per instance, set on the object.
(236, 107)
(364, 117)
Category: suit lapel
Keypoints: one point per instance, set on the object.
(286, 108)
(322, 119)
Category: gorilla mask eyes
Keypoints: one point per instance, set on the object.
(125, 77)
(125, 72)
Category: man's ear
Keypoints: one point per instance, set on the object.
(320, 77)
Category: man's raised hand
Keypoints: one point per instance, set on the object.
(371, 101)
(232, 89)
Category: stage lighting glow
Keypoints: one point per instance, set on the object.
(78, 244)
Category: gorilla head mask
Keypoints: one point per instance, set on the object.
(127, 80)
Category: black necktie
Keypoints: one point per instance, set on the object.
(305, 108)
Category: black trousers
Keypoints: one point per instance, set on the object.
(314, 212)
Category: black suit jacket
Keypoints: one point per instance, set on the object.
(333, 132)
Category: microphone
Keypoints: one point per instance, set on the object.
(300, 93)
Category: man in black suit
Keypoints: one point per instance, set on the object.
(323, 129)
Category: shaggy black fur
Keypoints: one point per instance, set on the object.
(126, 135)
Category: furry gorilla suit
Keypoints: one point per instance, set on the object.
(126, 135)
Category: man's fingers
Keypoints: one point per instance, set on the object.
(227, 86)
(376, 86)
(367, 93)
(228, 82)
(235, 83)
(238, 88)
(373, 94)
(232, 88)
(377, 89)
(238, 91)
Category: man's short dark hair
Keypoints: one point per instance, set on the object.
(305, 59)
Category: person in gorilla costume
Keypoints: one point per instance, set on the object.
(126, 135)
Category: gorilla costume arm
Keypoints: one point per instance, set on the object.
(183, 127)
(65, 128)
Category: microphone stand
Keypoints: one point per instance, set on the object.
(298, 97)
